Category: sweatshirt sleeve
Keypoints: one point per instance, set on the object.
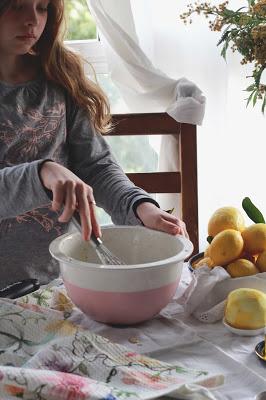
(91, 159)
(21, 189)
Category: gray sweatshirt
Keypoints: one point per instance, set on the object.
(39, 121)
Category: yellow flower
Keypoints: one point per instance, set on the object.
(260, 54)
(16, 391)
(62, 327)
(259, 32)
(260, 8)
(62, 303)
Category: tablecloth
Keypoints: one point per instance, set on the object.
(51, 350)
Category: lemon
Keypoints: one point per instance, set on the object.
(246, 309)
(206, 252)
(255, 238)
(261, 261)
(226, 247)
(225, 218)
(205, 261)
(248, 256)
(241, 267)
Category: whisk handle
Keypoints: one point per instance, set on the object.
(96, 240)
(76, 221)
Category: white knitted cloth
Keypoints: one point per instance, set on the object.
(205, 295)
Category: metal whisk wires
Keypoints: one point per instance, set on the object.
(105, 255)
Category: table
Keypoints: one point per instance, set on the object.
(195, 344)
(169, 338)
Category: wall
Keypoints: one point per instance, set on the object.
(232, 139)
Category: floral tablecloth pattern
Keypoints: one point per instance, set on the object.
(44, 355)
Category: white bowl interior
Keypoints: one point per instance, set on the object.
(134, 245)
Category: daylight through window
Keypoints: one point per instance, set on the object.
(80, 24)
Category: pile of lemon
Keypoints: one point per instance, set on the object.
(239, 249)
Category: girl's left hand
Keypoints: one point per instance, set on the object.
(155, 218)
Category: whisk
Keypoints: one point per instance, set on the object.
(105, 255)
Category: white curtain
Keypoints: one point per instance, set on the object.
(142, 84)
(232, 139)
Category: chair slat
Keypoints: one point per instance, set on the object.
(144, 124)
(157, 182)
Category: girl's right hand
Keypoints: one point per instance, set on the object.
(71, 193)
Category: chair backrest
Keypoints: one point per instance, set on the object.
(183, 181)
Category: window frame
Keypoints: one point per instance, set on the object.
(92, 51)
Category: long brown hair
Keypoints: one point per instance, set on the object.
(65, 68)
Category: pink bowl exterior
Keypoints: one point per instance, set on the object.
(121, 308)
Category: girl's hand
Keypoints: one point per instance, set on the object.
(155, 218)
(72, 194)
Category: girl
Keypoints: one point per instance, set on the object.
(51, 147)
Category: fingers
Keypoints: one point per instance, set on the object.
(183, 229)
(72, 196)
(172, 228)
(170, 224)
(84, 211)
(175, 229)
(58, 196)
(155, 218)
(70, 193)
(95, 226)
(175, 225)
(69, 201)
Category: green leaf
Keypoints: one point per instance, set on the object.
(170, 211)
(250, 88)
(250, 97)
(263, 104)
(224, 35)
(224, 49)
(251, 2)
(83, 369)
(209, 239)
(255, 98)
(252, 212)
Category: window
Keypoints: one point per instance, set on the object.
(82, 37)
(80, 24)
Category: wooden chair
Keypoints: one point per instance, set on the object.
(183, 181)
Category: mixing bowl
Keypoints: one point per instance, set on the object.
(122, 294)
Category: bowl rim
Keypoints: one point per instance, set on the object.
(54, 249)
(258, 350)
(194, 258)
